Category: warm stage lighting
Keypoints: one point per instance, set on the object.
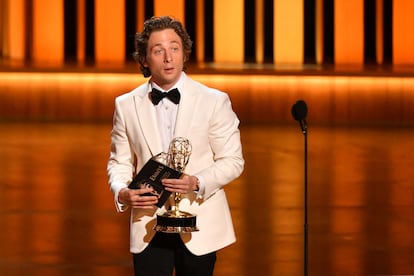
(256, 98)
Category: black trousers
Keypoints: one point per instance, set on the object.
(166, 253)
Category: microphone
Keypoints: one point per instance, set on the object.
(299, 112)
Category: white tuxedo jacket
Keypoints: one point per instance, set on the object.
(206, 118)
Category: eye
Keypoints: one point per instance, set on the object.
(158, 51)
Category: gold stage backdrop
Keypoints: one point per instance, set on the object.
(278, 50)
(231, 31)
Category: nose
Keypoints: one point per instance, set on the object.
(168, 57)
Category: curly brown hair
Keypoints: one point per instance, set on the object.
(156, 24)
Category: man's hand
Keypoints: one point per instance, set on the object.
(135, 198)
(183, 185)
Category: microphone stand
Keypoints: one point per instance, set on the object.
(305, 134)
(299, 111)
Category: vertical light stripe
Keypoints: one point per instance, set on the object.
(81, 20)
(198, 46)
(109, 31)
(48, 38)
(319, 31)
(259, 31)
(228, 31)
(349, 31)
(4, 19)
(140, 15)
(172, 8)
(15, 30)
(379, 27)
(403, 39)
(288, 31)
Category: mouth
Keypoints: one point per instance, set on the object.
(169, 70)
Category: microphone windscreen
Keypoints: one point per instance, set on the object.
(299, 110)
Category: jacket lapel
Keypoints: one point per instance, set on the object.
(185, 109)
(148, 121)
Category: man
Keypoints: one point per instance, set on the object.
(144, 126)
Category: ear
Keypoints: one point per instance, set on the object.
(144, 61)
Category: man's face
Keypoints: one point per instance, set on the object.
(165, 57)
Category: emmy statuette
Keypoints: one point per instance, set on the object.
(174, 220)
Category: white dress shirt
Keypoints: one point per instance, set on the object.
(166, 112)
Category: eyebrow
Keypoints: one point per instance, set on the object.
(171, 42)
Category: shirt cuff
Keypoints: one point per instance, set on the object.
(116, 188)
(201, 187)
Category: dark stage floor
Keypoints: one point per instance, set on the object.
(57, 216)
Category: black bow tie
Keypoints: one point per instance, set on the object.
(173, 95)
